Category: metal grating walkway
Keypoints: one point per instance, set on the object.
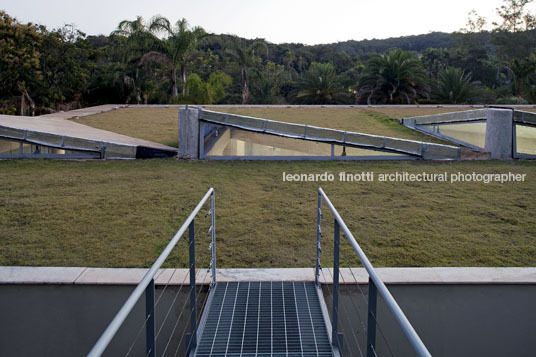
(264, 319)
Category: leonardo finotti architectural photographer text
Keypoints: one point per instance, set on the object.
(370, 176)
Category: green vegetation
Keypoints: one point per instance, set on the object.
(247, 58)
(455, 86)
(394, 78)
(153, 124)
(122, 213)
(320, 85)
(158, 62)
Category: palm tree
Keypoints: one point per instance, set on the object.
(435, 60)
(173, 51)
(320, 85)
(454, 86)
(520, 71)
(246, 57)
(394, 78)
(136, 38)
(133, 39)
(266, 88)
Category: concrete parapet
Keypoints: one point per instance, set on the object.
(499, 133)
(189, 133)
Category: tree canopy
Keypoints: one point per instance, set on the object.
(157, 61)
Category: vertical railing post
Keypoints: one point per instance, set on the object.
(150, 348)
(514, 139)
(213, 219)
(201, 140)
(335, 336)
(318, 233)
(192, 344)
(371, 324)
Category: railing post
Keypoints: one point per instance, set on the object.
(213, 219)
(514, 140)
(335, 336)
(371, 324)
(150, 348)
(192, 343)
(318, 233)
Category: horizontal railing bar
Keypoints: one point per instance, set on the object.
(402, 320)
(454, 121)
(123, 313)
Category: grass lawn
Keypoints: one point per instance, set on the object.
(160, 124)
(122, 213)
(357, 120)
(153, 124)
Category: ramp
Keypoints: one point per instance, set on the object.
(31, 137)
(264, 319)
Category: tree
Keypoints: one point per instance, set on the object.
(454, 86)
(66, 64)
(394, 78)
(209, 92)
(320, 85)
(512, 36)
(266, 87)
(435, 60)
(515, 17)
(246, 57)
(20, 59)
(173, 51)
(475, 23)
(521, 70)
(134, 39)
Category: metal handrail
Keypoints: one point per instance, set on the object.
(402, 320)
(127, 307)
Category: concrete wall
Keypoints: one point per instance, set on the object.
(452, 320)
(67, 320)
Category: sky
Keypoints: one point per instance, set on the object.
(278, 21)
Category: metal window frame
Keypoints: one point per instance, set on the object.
(202, 151)
(516, 154)
(80, 153)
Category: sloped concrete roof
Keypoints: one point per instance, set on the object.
(60, 133)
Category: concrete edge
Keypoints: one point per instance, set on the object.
(359, 106)
(14, 275)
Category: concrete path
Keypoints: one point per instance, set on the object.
(84, 112)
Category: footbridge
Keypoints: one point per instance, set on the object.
(259, 318)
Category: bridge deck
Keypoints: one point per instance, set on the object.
(264, 319)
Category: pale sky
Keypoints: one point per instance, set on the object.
(277, 21)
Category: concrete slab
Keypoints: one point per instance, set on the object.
(390, 276)
(111, 276)
(39, 275)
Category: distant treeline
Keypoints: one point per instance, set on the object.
(158, 62)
